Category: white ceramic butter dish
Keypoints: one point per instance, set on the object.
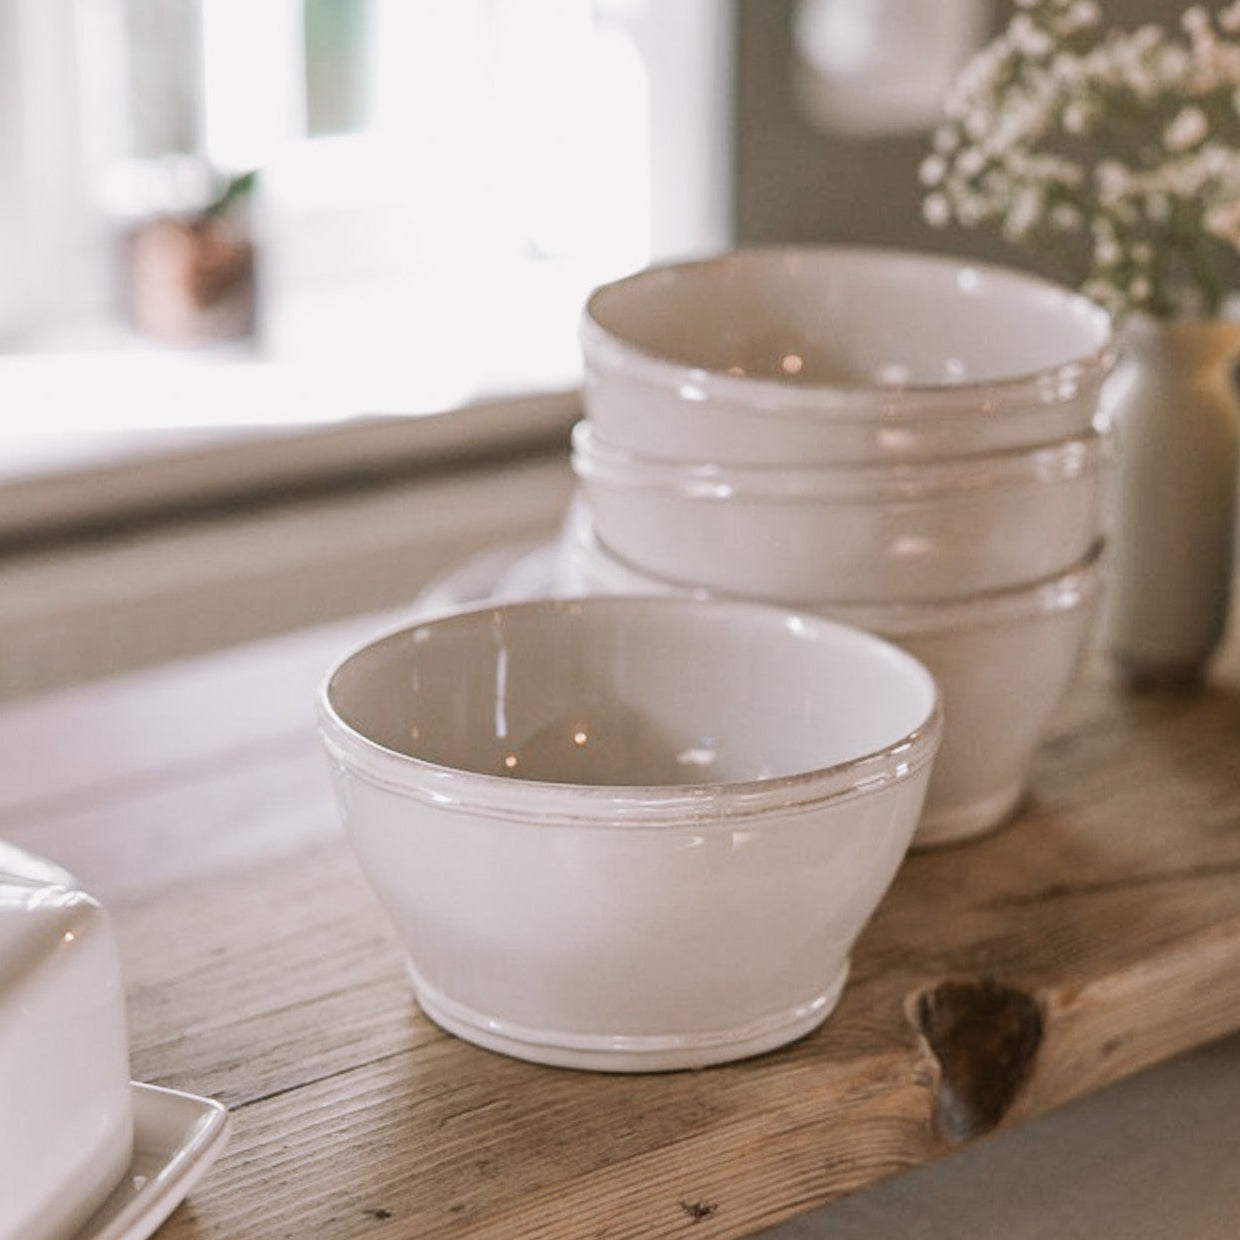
(84, 1153)
(66, 1127)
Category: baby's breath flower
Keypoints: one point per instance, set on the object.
(1118, 148)
(1188, 128)
(937, 210)
(1029, 39)
(1023, 214)
(1107, 252)
(971, 209)
(970, 162)
(1195, 20)
(1082, 15)
(1076, 116)
(1113, 181)
(977, 123)
(1064, 217)
(1223, 221)
(1066, 69)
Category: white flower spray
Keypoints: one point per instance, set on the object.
(1112, 155)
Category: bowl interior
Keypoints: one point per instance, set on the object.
(851, 318)
(633, 692)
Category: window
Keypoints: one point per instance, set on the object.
(439, 185)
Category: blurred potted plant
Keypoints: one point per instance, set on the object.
(1112, 157)
(191, 275)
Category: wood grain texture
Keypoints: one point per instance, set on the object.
(1099, 933)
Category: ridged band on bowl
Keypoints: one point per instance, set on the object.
(718, 805)
(1075, 586)
(595, 460)
(714, 805)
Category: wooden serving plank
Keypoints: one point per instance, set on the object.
(1098, 934)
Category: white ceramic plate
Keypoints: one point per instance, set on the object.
(176, 1138)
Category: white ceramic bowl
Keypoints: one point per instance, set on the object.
(1002, 661)
(629, 834)
(824, 355)
(66, 1119)
(871, 533)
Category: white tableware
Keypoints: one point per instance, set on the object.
(863, 533)
(1003, 662)
(629, 834)
(177, 1137)
(66, 1121)
(789, 356)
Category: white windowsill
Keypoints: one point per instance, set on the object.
(53, 483)
(98, 425)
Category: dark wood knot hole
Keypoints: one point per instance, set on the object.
(985, 1037)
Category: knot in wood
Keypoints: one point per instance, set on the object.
(985, 1037)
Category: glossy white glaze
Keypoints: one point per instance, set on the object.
(66, 1126)
(716, 797)
(1175, 510)
(177, 1137)
(830, 354)
(843, 534)
(1002, 660)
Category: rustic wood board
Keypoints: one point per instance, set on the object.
(1099, 933)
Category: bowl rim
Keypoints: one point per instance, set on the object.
(871, 482)
(711, 805)
(1054, 384)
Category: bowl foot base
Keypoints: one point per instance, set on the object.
(954, 824)
(627, 1052)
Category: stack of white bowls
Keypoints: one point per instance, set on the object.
(907, 442)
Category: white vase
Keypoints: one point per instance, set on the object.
(1173, 516)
